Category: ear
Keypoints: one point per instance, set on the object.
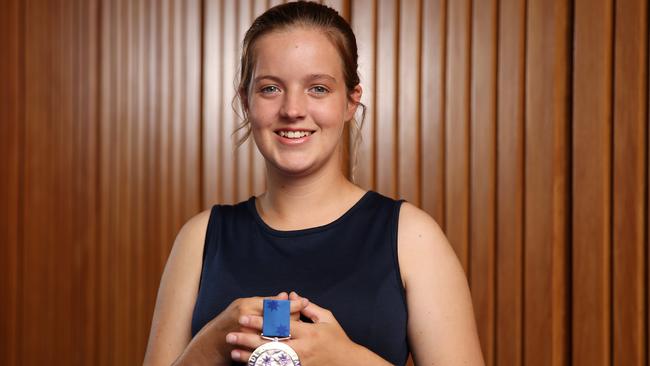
(354, 98)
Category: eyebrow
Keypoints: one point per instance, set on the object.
(309, 77)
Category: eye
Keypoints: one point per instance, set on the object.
(269, 89)
(319, 89)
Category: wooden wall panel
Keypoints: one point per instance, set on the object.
(408, 111)
(258, 167)
(629, 182)
(228, 117)
(243, 154)
(457, 127)
(212, 101)
(432, 108)
(59, 162)
(12, 106)
(545, 254)
(591, 181)
(386, 122)
(149, 160)
(510, 182)
(364, 25)
(482, 231)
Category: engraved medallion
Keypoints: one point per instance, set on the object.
(274, 354)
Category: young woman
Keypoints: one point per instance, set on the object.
(369, 279)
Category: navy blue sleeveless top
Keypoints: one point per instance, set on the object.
(348, 266)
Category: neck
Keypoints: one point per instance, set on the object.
(310, 200)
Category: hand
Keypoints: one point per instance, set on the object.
(209, 346)
(322, 343)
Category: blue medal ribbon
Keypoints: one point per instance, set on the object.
(276, 318)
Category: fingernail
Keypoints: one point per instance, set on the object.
(231, 338)
(235, 355)
(244, 320)
(305, 301)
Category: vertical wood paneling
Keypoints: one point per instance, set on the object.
(546, 162)
(243, 154)
(592, 124)
(386, 69)
(364, 23)
(166, 86)
(510, 182)
(11, 190)
(36, 75)
(629, 182)
(457, 128)
(432, 105)
(141, 292)
(258, 166)
(58, 164)
(408, 86)
(212, 102)
(191, 191)
(105, 191)
(228, 117)
(87, 97)
(483, 167)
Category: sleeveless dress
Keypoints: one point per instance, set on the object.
(348, 266)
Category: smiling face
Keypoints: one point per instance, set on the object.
(297, 100)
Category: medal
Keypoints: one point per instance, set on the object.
(275, 329)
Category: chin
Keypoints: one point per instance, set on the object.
(295, 168)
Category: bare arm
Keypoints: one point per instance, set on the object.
(441, 327)
(172, 319)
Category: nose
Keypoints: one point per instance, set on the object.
(293, 105)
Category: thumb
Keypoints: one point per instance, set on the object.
(318, 314)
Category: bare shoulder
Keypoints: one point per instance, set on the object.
(192, 233)
(421, 240)
(172, 319)
(441, 326)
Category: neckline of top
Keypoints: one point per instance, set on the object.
(310, 230)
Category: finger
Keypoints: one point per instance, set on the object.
(244, 340)
(298, 304)
(318, 314)
(252, 322)
(240, 355)
(281, 296)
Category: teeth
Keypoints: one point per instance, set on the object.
(294, 134)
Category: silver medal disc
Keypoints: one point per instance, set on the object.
(274, 354)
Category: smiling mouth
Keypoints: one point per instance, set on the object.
(294, 134)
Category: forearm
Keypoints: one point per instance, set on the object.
(202, 351)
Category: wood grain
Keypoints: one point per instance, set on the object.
(386, 117)
(546, 163)
(212, 106)
(510, 182)
(12, 107)
(591, 181)
(482, 234)
(408, 111)
(457, 129)
(629, 183)
(432, 109)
